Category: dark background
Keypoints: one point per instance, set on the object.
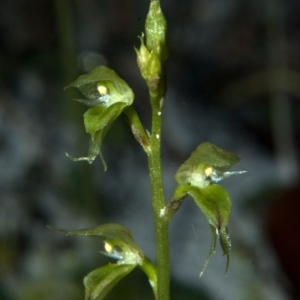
(233, 80)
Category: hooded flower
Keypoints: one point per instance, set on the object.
(107, 95)
(118, 244)
(196, 177)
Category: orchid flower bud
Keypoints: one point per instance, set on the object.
(143, 57)
(149, 62)
(156, 31)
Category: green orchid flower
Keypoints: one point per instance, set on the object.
(120, 245)
(107, 95)
(197, 177)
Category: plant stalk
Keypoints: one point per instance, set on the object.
(158, 204)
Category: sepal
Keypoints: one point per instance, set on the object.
(143, 57)
(215, 204)
(101, 281)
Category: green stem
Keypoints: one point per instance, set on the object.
(158, 204)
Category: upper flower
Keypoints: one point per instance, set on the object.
(107, 95)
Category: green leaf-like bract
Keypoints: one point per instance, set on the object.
(100, 281)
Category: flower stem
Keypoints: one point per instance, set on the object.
(158, 203)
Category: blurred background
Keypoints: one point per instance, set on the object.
(233, 81)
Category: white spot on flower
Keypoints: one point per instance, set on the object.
(157, 136)
(208, 171)
(102, 89)
(108, 247)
